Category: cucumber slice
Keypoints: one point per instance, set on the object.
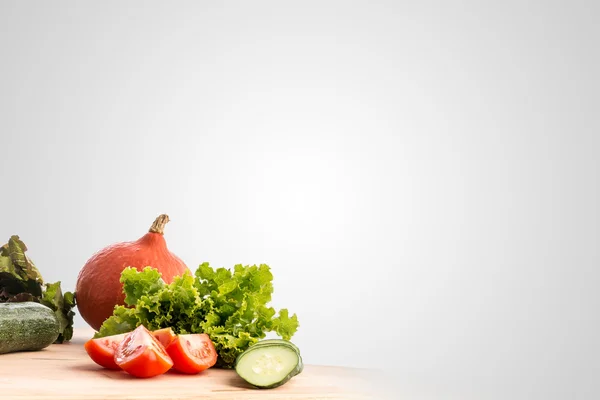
(277, 341)
(268, 366)
(268, 342)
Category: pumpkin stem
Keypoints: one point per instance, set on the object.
(158, 226)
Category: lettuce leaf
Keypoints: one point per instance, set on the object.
(230, 305)
(123, 320)
(62, 305)
(21, 281)
(137, 285)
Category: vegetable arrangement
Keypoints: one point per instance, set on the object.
(21, 281)
(146, 354)
(151, 313)
(229, 306)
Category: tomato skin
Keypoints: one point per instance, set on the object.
(102, 350)
(141, 355)
(165, 336)
(192, 353)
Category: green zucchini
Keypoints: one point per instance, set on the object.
(27, 326)
(269, 365)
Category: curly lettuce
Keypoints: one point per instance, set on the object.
(231, 306)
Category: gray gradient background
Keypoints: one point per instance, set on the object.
(421, 176)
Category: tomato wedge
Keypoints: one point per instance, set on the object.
(192, 353)
(102, 350)
(165, 336)
(140, 354)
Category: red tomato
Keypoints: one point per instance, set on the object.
(102, 350)
(165, 336)
(141, 354)
(192, 353)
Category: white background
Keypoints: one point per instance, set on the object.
(422, 178)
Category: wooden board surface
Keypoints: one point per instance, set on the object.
(66, 372)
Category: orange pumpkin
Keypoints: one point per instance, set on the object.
(98, 288)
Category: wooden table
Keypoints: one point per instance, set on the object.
(64, 371)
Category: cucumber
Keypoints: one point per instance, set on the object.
(27, 326)
(285, 343)
(277, 341)
(269, 365)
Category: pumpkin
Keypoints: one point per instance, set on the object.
(98, 289)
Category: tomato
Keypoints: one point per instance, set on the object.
(140, 354)
(165, 336)
(102, 350)
(192, 353)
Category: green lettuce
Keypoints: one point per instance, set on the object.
(21, 281)
(62, 305)
(231, 306)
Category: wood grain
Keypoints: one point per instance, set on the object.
(66, 372)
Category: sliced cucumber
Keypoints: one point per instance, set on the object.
(277, 341)
(268, 342)
(268, 366)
